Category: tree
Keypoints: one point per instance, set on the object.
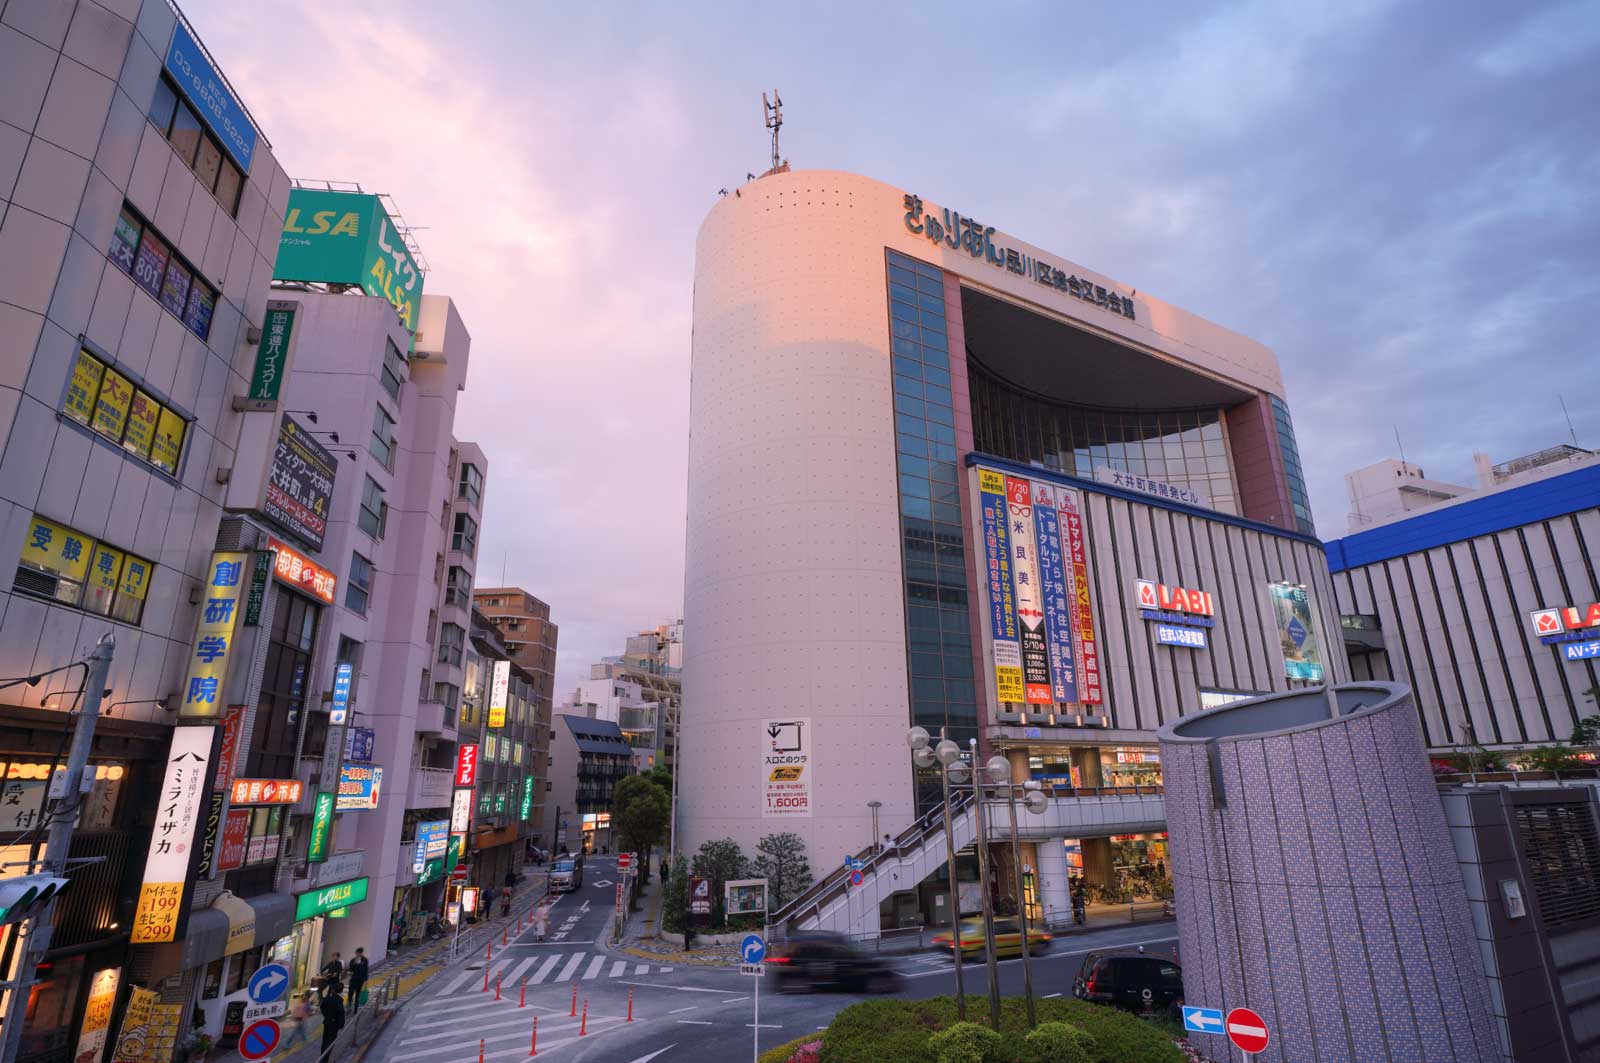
(784, 865)
(719, 860)
(661, 777)
(675, 902)
(639, 813)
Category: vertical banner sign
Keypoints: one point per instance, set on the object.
(1030, 602)
(97, 1015)
(208, 838)
(1080, 605)
(177, 814)
(461, 811)
(1002, 606)
(466, 766)
(232, 724)
(257, 593)
(1053, 589)
(342, 676)
(235, 839)
(134, 1037)
(321, 828)
(213, 636)
(267, 379)
(527, 797)
(1296, 632)
(499, 688)
(785, 767)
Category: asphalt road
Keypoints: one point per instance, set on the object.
(687, 1013)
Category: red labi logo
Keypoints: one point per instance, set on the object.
(1547, 622)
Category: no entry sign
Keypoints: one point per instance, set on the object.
(1247, 1030)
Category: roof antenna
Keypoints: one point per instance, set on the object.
(773, 114)
(1571, 431)
(1402, 448)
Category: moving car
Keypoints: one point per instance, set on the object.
(566, 875)
(1007, 938)
(820, 960)
(1131, 980)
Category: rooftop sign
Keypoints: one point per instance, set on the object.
(347, 238)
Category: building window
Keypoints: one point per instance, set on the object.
(358, 587)
(140, 251)
(394, 369)
(382, 445)
(374, 517)
(105, 401)
(471, 486)
(458, 590)
(286, 687)
(200, 151)
(74, 569)
(448, 695)
(1299, 497)
(465, 539)
(451, 639)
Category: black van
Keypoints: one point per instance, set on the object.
(1131, 980)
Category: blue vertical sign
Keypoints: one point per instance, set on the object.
(1053, 585)
(341, 692)
(1002, 595)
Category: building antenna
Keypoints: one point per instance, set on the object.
(773, 114)
(504, 558)
(1402, 448)
(1573, 432)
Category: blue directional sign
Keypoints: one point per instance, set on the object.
(1578, 651)
(342, 677)
(269, 983)
(752, 949)
(1202, 1020)
(854, 863)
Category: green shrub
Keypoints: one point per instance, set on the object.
(1058, 1042)
(784, 1052)
(898, 1031)
(966, 1042)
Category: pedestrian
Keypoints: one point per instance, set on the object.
(505, 901)
(540, 922)
(332, 1018)
(334, 968)
(488, 901)
(511, 877)
(358, 977)
(299, 1018)
(664, 868)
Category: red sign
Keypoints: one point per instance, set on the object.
(624, 861)
(232, 723)
(265, 791)
(1078, 605)
(302, 573)
(1566, 618)
(1247, 1030)
(466, 766)
(1173, 599)
(235, 836)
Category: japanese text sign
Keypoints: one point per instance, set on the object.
(321, 829)
(208, 91)
(166, 869)
(466, 765)
(303, 574)
(342, 676)
(266, 791)
(348, 238)
(273, 351)
(461, 811)
(213, 637)
(321, 902)
(300, 486)
(499, 689)
(358, 787)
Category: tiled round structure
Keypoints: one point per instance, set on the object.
(1316, 881)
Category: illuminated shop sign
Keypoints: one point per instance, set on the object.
(302, 573)
(266, 791)
(1569, 620)
(950, 229)
(1177, 612)
(466, 766)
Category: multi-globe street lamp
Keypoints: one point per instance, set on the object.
(958, 772)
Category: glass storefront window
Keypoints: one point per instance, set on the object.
(1128, 766)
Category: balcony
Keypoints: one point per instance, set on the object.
(436, 718)
(430, 788)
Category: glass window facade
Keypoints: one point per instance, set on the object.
(938, 632)
(1186, 448)
(1292, 472)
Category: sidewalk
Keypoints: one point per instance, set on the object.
(413, 965)
(641, 936)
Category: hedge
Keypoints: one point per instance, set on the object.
(892, 1030)
(781, 1053)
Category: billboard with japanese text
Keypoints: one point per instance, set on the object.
(348, 238)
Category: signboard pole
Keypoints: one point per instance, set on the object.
(41, 924)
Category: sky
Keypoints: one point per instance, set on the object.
(1401, 199)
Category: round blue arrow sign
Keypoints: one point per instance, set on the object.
(753, 949)
(269, 983)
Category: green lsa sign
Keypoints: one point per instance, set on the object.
(348, 238)
(323, 901)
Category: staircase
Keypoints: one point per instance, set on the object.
(919, 851)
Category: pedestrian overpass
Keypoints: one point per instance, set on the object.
(834, 904)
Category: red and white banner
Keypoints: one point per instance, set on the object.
(1078, 604)
(1030, 598)
(466, 766)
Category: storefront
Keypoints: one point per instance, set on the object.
(596, 831)
(1130, 766)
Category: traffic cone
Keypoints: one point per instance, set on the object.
(583, 1024)
(522, 1001)
(574, 1014)
(503, 936)
(497, 986)
(480, 1050)
(486, 978)
(533, 1049)
(630, 1005)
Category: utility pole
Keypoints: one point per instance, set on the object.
(63, 810)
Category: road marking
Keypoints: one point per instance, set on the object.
(516, 1041)
(572, 965)
(644, 968)
(594, 967)
(675, 988)
(680, 1011)
(619, 968)
(761, 1026)
(1049, 996)
(545, 969)
(520, 969)
(657, 1052)
(664, 970)
(693, 1022)
(734, 1000)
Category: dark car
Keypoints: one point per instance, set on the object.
(827, 961)
(1132, 980)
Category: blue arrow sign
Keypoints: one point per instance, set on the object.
(269, 983)
(753, 949)
(1202, 1020)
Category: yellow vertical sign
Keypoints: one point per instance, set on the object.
(202, 691)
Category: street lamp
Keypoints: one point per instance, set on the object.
(1034, 800)
(874, 805)
(925, 757)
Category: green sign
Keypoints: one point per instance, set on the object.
(452, 857)
(321, 829)
(527, 797)
(257, 594)
(433, 871)
(321, 902)
(500, 801)
(347, 238)
(272, 352)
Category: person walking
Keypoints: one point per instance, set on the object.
(334, 968)
(489, 895)
(505, 902)
(332, 1019)
(358, 977)
(299, 1019)
(540, 922)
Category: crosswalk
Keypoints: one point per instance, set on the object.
(540, 969)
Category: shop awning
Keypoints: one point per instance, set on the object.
(230, 917)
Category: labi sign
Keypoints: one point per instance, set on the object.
(347, 238)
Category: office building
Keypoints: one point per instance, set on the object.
(1393, 490)
(587, 759)
(641, 691)
(524, 626)
(498, 715)
(942, 477)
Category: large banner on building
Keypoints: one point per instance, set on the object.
(1053, 590)
(1002, 601)
(1030, 600)
(166, 868)
(300, 488)
(348, 238)
(202, 690)
(786, 767)
(1080, 608)
(1297, 633)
